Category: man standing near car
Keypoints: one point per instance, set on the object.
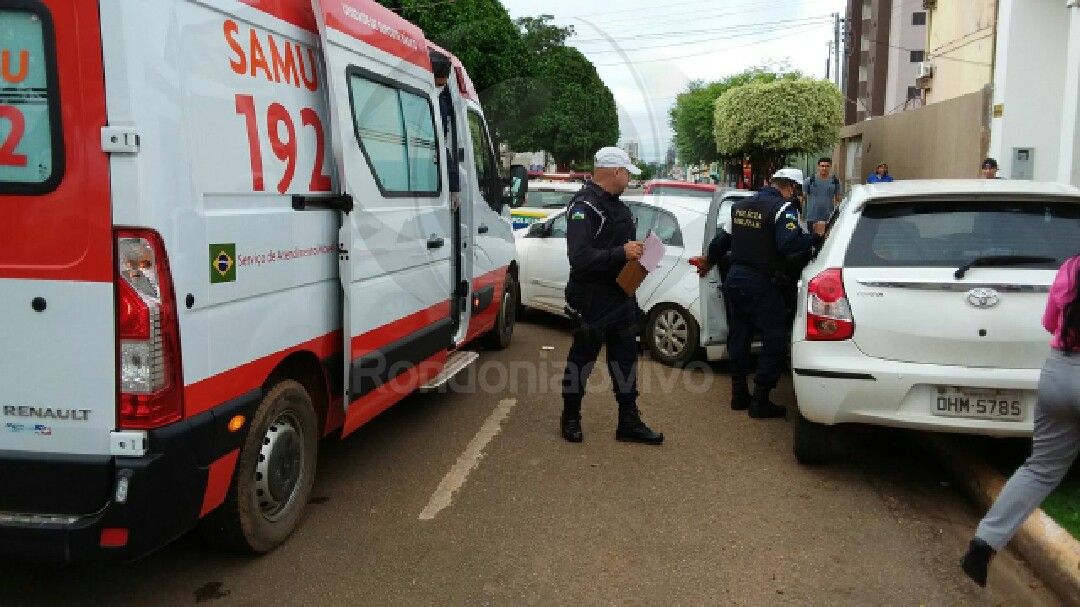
(823, 192)
(599, 241)
(765, 231)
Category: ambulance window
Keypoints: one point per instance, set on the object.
(395, 127)
(482, 160)
(31, 142)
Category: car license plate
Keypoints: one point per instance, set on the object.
(1006, 405)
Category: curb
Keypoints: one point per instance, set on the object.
(1048, 548)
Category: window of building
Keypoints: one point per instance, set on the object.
(918, 18)
(913, 92)
(918, 56)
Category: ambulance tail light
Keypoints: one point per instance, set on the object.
(828, 313)
(148, 333)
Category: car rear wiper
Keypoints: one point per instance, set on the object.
(1001, 260)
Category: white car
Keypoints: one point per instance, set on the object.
(543, 199)
(923, 308)
(684, 313)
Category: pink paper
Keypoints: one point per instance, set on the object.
(654, 252)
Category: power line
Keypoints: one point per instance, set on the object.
(724, 11)
(767, 25)
(773, 39)
(756, 32)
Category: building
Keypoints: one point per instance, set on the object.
(959, 57)
(633, 148)
(907, 44)
(867, 62)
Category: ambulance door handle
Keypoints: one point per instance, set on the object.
(435, 242)
(482, 229)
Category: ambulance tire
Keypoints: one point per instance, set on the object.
(259, 514)
(499, 337)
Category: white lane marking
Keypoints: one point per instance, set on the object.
(467, 461)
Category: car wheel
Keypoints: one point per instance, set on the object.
(813, 442)
(274, 474)
(672, 335)
(499, 337)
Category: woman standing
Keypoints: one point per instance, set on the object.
(880, 174)
(1057, 428)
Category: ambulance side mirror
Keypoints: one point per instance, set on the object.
(516, 187)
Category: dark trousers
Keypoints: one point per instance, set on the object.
(755, 305)
(608, 317)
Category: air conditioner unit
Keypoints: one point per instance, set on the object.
(926, 70)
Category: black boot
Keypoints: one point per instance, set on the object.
(740, 394)
(977, 561)
(570, 424)
(762, 408)
(632, 430)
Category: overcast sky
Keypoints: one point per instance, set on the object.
(647, 51)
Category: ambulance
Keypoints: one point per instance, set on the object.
(226, 233)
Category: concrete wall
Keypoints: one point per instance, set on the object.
(903, 38)
(1029, 83)
(960, 44)
(946, 140)
(1069, 161)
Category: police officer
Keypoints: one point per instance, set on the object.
(764, 232)
(599, 242)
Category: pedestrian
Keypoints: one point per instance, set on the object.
(765, 231)
(880, 174)
(1057, 428)
(823, 193)
(599, 241)
(989, 169)
(440, 65)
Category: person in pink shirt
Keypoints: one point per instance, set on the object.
(1056, 440)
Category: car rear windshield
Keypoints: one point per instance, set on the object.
(31, 150)
(548, 200)
(952, 233)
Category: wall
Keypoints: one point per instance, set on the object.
(960, 44)
(1069, 163)
(1030, 83)
(946, 140)
(903, 38)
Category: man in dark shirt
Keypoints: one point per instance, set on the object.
(599, 241)
(440, 65)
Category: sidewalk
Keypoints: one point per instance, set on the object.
(1051, 550)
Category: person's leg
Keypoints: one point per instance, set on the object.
(739, 305)
(771, 320)
(622, 360)
(584, 349)
(1055, 444)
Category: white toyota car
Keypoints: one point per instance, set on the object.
(923, 308)
(684, 313)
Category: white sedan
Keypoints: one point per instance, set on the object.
(684, 313)
(923, 308)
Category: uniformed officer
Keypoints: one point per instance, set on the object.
(599, 241)
(764, 232)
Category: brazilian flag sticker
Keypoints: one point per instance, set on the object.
(222, 263)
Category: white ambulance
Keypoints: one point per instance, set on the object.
(226, 233)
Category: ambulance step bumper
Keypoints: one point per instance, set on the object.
(454, 364)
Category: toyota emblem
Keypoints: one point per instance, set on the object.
(983, 298)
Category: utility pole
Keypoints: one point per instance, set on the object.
(836, 46)
(828, 61)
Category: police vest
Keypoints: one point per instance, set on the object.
(753, 233)
(616, 229)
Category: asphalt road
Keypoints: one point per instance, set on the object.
(721, 514)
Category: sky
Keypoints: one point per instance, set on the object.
(647, 51)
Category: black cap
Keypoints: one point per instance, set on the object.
(989, 163)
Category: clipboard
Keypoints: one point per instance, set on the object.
(631, 277)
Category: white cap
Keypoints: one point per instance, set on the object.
(614, 158)
(789, 174)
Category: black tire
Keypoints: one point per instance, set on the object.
(274, 474)
(813, 442)
(500, 336)
(672, 335)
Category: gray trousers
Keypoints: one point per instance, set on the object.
(1054, 447)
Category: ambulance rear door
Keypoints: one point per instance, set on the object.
(395, 238)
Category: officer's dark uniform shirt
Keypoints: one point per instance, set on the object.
(752, 220)
(446, 109)
(598, 225)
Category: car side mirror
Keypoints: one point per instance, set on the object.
(538, 230)
(517, 186)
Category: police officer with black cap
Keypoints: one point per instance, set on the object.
(599, 241)
(764, 232)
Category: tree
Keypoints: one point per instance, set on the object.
(692, 116)
(767, 122)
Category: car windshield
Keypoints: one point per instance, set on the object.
(540, 199)
(951, 233)
(661, 190)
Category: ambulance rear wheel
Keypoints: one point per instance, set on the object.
(503, 332)
(274, 474)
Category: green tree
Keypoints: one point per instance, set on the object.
(767, 122)
(692, 116)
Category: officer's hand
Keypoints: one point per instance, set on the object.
(633, 249)
(819, 227)
(702, 264)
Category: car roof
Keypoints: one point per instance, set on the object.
(686, 185)
(555, 186)
(684, 208)
(952, 187)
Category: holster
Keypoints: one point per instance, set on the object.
(583, 333)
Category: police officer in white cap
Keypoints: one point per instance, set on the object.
(599, 241)
(764, 232)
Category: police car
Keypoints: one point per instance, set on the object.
(543, 200)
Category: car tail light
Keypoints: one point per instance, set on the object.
(828, 313)
(148, 333)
